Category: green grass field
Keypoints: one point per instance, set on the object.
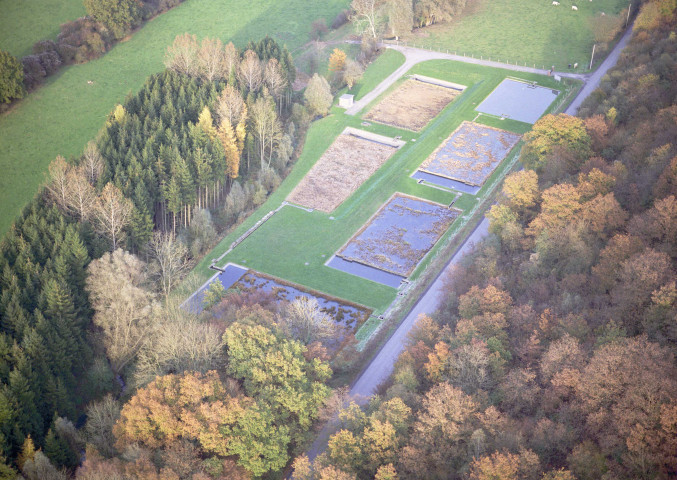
(65, 113)
(388, 61)
(295, 244)
(25, 22)
(522, 31)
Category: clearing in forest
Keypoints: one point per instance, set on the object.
(471, 153)
(343, 167)
(399, 235)
(412, 105)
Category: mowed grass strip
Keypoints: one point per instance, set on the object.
(388, 61)
(22, 23)
(65, 113)
(293, 237)
(522, 31)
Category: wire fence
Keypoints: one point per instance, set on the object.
(572, 68)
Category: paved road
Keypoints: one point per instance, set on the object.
(593, 80)
(417, 55)
(381, 367)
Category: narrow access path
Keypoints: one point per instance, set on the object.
(594, 79)
(417, 55)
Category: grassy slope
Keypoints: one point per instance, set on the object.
(22, 23)
(389, 61)
(67, 111)
(293, 237)
(535, 32)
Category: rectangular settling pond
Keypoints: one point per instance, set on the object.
(471, 153)
(348, 315)
(517, 100)
(365, 271)
(397, 238)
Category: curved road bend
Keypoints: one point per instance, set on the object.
(381, 367)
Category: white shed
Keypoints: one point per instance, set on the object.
(346, 100)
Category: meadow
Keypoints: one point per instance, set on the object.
(24, 23)
(68, 110)
(522, 31)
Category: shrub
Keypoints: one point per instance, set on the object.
(318, 30)
(82, 40)
(201, 232)
(11, 78)
(118, 16)
(318, 95)
(269, 179)
(33, 70)
(340, 19)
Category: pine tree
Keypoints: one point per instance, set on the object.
(5, 357)
(173, 200)
(77, 258)
(15, 318)
(203, 170)
(186, 185)
(206, 123)
(65, 330)
(27, 418)
(9, 427)
(35, 350)
(58, 451)
(27, 452)
(140, 229)
(229, 142)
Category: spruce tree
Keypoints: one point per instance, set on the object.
(58, 451)
(28, 419)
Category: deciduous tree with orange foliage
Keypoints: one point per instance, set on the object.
(551, 131)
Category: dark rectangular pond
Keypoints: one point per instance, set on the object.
(517, 100)
(471, 153)
(348, 315)
(399, 235)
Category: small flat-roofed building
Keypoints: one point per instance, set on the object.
(346, 100)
